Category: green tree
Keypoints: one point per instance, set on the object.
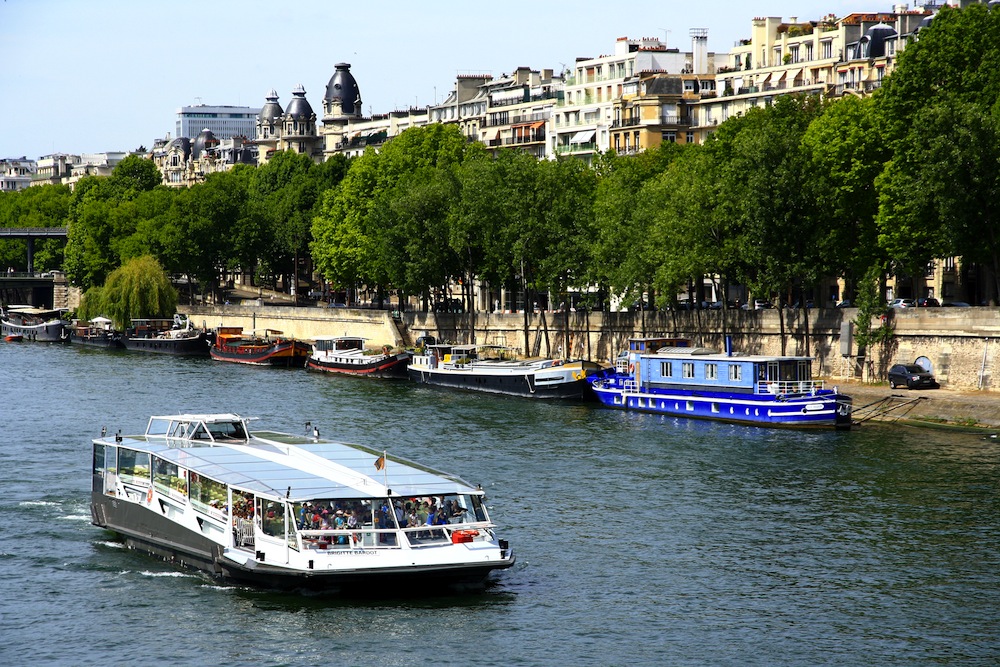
(619, 235)
(349, 232)
(40, 206)
(939, 113)
(139, 288)
(846, 154)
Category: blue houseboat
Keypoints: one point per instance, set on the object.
(669, 376)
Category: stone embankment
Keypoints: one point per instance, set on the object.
(961, 345)
(927, 407)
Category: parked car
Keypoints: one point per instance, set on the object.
(844, 304)
(758, 304)
(928, 302)
(902, 303)
(911, 376)
(955, 304)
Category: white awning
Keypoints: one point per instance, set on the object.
(583, 137)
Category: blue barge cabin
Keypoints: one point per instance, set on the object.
(669, 376)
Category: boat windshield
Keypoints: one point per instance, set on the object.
(210, 428)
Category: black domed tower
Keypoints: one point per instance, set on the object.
(343, 98)
(268, 126)
(341, 104)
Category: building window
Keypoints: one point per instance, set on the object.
(827, 48)
(670, 136)
(690, 137)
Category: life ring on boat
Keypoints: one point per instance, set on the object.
(149, 495)
(631, 368)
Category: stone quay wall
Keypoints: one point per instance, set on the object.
(377, 326)
(962, 345)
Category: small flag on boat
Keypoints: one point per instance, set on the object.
(380, 462)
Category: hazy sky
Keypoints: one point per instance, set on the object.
(109, 75)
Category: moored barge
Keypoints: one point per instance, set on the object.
(669, 376)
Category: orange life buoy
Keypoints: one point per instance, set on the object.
(149, 495)
(631, 368)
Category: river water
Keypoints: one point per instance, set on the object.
(641, 540)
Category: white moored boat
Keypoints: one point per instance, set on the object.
(290, 511)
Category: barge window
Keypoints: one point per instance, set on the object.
(228, 431)
(666, 369)
(133, 466)
(167, 477)
(735, 372)
(687, 370)
(206, 494)
(711, 371)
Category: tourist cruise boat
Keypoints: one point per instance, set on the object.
(492, 369)
(669, 376)
(36, 324)
(267, 348)
(290, 511)
(347, 354)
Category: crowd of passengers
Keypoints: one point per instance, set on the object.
(349, 515)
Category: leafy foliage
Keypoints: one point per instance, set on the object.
(139, 288)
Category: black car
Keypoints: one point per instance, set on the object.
(928, 302)
(911, 376)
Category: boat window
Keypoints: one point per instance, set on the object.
(711, 371)
(666, 369)
(158, 427)
(200, 433)
(272, 517)
(228, 430)
(687, 370)
(180, 430)
(168, 479)
(133, 466)
(99, 467)
(208, 495)
(735, 372)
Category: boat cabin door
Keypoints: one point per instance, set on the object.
(772, 372)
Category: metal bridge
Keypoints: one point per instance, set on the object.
(30, 234)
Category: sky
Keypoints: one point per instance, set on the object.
(109, 75)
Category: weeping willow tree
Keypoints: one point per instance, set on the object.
(138, 288)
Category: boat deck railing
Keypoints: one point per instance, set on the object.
(788, 386)
(390, 538)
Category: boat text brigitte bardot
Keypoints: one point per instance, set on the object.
(290, 511)
(668, 376)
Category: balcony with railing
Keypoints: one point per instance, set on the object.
(570, 149)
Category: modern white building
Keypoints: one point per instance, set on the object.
(225, 122)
